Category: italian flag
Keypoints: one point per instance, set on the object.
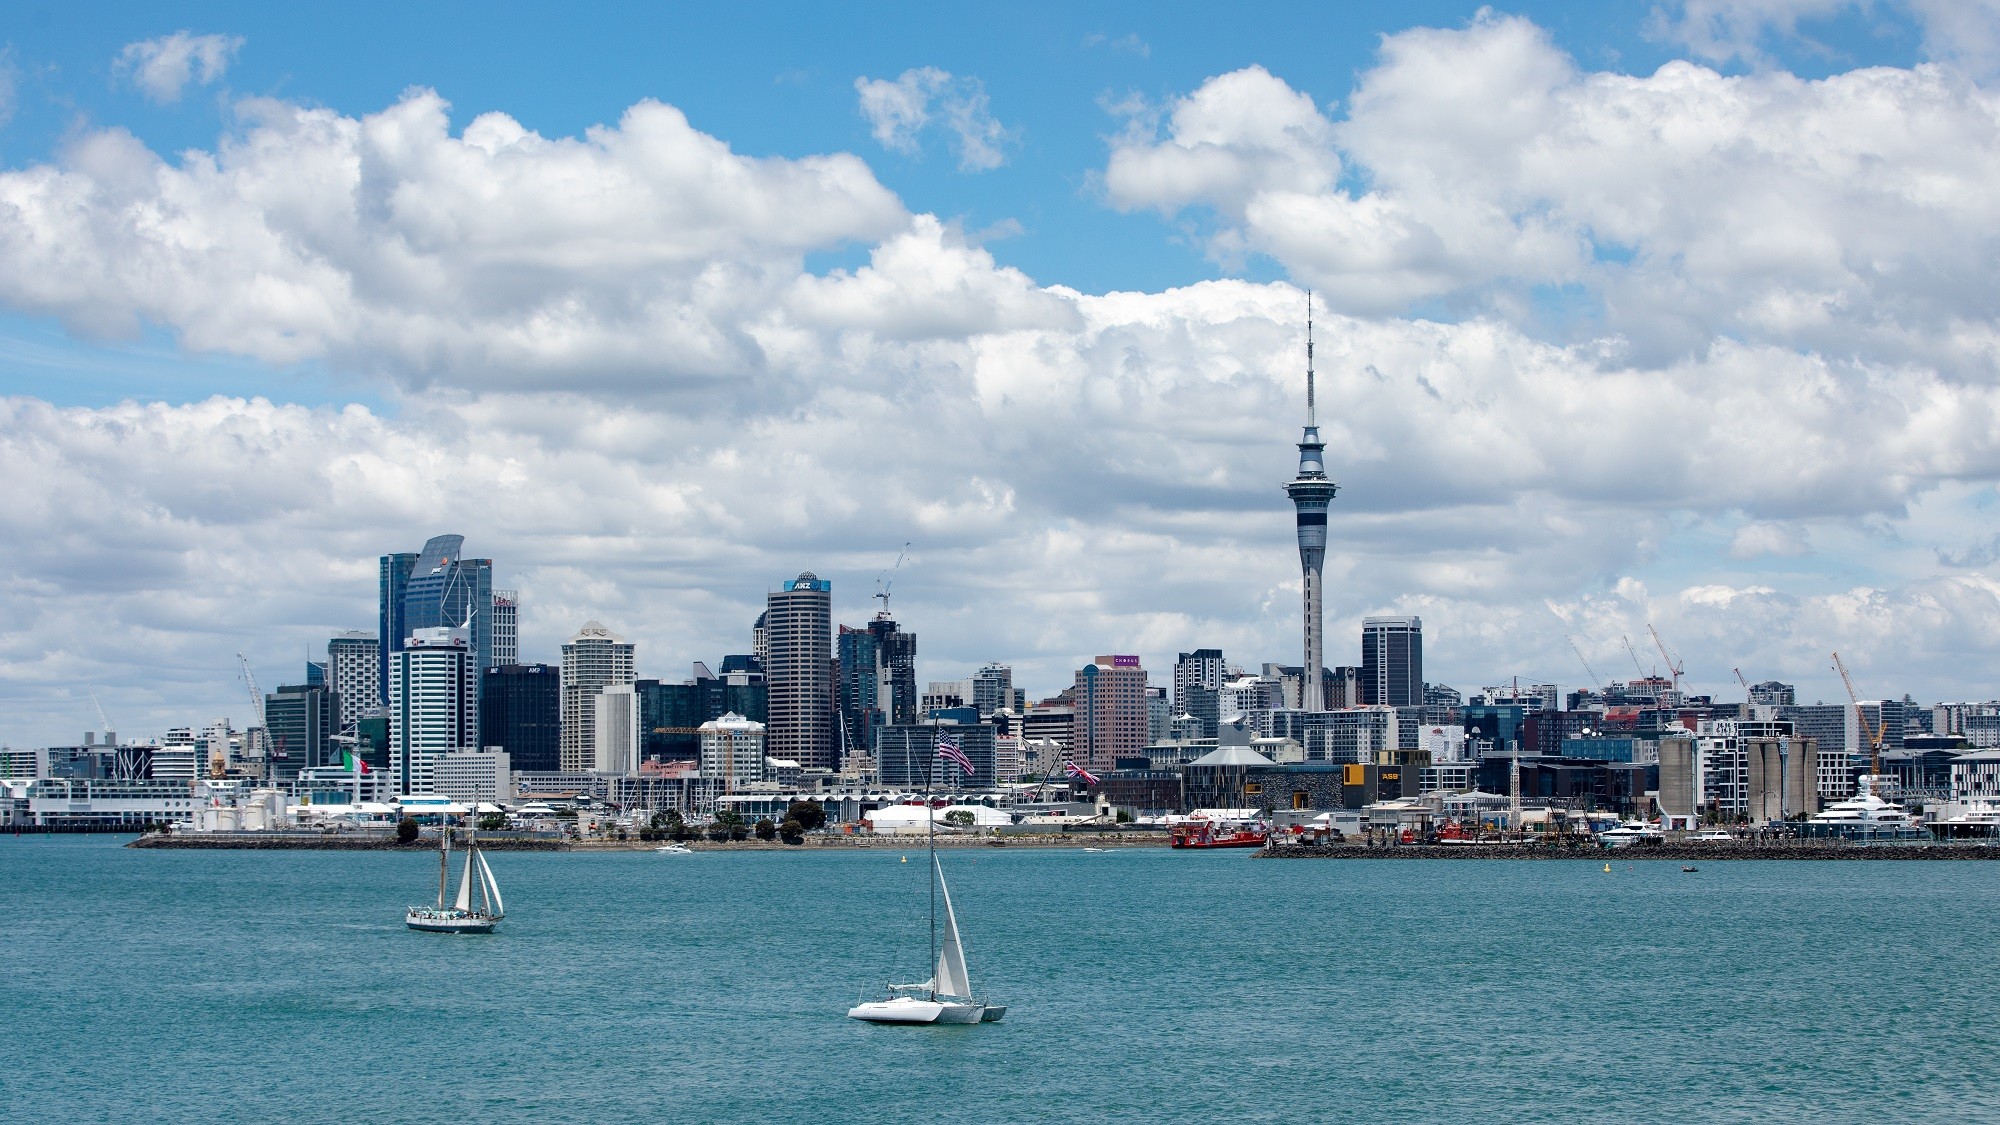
(353, 763)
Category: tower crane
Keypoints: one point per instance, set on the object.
(1745, 683)
(1635, 655)
(1596, 681)
(1874, 735)
(256, 697)
(1672, 668)
(888, 576)
(101, 716)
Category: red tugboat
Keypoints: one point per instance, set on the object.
(1208, 834)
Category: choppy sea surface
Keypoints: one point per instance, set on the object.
(282, 986)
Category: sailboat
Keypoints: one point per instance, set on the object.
(947, 997)
(460, 917)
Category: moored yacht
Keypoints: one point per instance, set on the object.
(1630, 832)
(1865, 815)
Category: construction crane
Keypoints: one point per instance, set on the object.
(1596, 680)
(1868, 729)
(256, 697)
(1745, 683)
(101, 716)
(1673, 668)
(1635, 655)
(888, 576)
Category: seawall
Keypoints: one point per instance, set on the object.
(317, 841)
(1682, 853)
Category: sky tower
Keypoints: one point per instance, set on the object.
(1311, 492)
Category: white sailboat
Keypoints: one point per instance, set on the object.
(461, 917)
(947, 997)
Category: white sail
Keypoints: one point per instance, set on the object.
(950, 978)
(465, 883)
(492, 886)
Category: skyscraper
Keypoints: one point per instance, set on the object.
(1198, 678)
(1392, 661)
(593, 660)
(1110, 720)
(1311, 493)
(798, 624)
(298, 725)
(391, 629)
(436, 589)
(878, 679)
(506, 627)
(433, 688)
(520, 711)
(354, 671)
(992, 689)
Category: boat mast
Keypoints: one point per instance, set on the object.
(930, 822)
(444, 859)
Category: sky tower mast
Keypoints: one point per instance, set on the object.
(1311, 493)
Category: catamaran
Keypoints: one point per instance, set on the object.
(460, 917)
(947, 997)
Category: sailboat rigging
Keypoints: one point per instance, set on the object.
(461, 916)
(947, 997)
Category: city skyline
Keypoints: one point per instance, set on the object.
(1029, 301)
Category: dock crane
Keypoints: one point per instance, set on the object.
(1874, 735)
(1672, 668)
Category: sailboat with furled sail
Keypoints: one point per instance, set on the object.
(947, 997)
(461, 916)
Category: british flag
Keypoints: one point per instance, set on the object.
(1074, 770)
(949, 750)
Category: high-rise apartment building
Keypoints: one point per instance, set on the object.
(594, 659)
(391, 629)
(1198, 679)
(1159, 714)
(992, 689)
(1110, 720)
(1392, 661)
(798, 622)
(433, 709)
(520, 711)
(733, 750)
(506, 627)
(354, 672)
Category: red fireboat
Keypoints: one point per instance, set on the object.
(1206, 834)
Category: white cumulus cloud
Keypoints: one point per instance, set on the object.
(898, 110)
(162, 68)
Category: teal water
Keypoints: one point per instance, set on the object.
(267, 986)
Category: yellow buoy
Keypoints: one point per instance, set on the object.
(1607, 869)
(906, 859)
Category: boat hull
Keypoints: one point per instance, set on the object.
(434, 923)
(910, 1010)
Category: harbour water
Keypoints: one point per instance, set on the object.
(266, 986)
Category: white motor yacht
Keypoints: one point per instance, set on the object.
(1865, 814)
(1630, 832)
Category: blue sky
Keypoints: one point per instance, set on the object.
(1603, 343)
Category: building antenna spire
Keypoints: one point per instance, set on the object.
(1309, 359)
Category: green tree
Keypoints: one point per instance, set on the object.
(766, 831)
(959, 818)
(811, 815)
(406, 830)
(792, 832)
(492, 822)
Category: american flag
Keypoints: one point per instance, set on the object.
(1074, 770)
(948, 749)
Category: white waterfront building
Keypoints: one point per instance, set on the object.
(594, 659)
(472, 775)
(732, 750)
(433, 705)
